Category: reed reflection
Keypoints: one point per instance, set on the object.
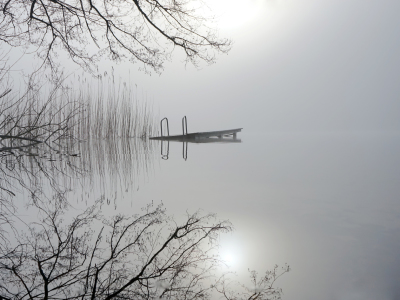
(116, 165)
(41, 171)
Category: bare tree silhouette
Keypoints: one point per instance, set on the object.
(262, 288)
(145, 256)
(143, 31)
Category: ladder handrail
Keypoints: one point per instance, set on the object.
(184, 150)
(161, 122)
(164, 156)
(183, 127)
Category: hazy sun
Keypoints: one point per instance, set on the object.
(235, 13)
(229, 258)
(230, 255)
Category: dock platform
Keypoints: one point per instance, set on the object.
(197, 136)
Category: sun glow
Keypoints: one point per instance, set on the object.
(234, 13)
(229, 258)
(230, 252)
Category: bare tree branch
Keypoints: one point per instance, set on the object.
(143, 31)
(145, 256)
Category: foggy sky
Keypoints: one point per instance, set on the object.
(294, 66)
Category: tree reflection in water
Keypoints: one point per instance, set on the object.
(144, 256)
(34, 174)
(61, 255)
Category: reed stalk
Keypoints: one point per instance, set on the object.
(99, 109)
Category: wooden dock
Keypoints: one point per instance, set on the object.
(209, 136)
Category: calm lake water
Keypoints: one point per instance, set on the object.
(326, 204)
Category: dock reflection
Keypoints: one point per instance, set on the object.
(185, 141)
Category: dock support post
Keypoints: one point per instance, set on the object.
(234, 136)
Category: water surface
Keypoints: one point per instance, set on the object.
(326, 204)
